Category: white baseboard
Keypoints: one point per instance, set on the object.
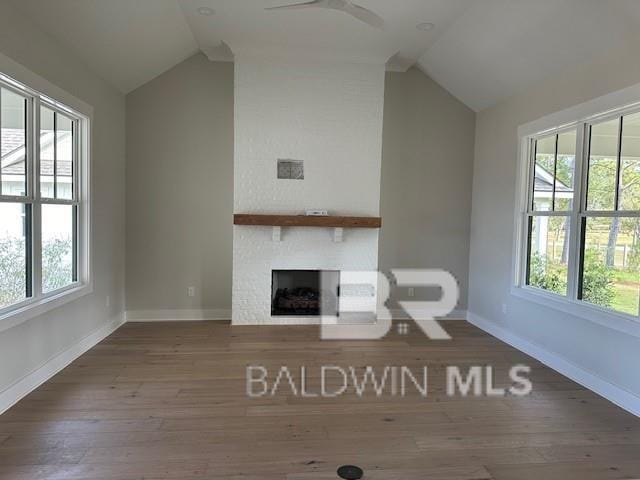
(396, 314)
(621, 397)
(177, 315)
(458, 314)
(33, 380)
(282, 321)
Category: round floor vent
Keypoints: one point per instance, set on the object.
(350, 472)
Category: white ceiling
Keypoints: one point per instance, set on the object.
(245, 25)
(480, 50)
(499, 47)
(127, 42)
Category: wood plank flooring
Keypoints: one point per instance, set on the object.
(168, 401)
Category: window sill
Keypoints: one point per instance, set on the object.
(33, 308)
(604, 317)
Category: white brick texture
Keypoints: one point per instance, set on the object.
(329, 116)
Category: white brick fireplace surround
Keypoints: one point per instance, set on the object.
(330, 116)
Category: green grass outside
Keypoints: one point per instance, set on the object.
(627, 292)
(626, 284)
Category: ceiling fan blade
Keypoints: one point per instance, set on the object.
(312, 3)
(363, 14)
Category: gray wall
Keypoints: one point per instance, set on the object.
(594, 348)
(180, 178)
(427, 168)
(180, 188)
(27, 346)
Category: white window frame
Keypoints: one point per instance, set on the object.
(40, 302)
(580, 117)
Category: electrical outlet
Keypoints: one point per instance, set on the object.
(411, 292)
(191, 291)
(505, 310)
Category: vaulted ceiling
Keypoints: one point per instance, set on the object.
(479, 50)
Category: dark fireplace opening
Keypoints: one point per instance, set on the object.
(305, 292)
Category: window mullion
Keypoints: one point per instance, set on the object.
(523, 271)
(28, 219)
(0, 144)
(532, 175)
(555, 175)
(37, 206)
(616, 203)
(55, 154)
(30, 172)
(36, 150)
(74, 160)
(576, 224)
(74, 247)
(30, 152)
(37, 249)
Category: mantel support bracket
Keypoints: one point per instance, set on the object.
(276, 234)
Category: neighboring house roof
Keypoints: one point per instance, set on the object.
(543, 182)
(13, 152)
(12, 139)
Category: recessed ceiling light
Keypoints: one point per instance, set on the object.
(206, 11)
(425, 26)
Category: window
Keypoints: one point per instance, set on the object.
(581, 224)
(43, 198)
(554, 158)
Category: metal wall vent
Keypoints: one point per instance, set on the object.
(290, 169)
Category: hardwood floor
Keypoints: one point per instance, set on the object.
(169, 401)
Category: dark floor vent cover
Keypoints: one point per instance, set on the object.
(350, 472)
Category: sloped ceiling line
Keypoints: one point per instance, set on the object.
(479, 50)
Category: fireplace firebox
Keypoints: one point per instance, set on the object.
(305, 292)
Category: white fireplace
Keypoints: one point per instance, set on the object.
(329, 117)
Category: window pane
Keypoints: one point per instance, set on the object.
(544, 168)
(58, 246)
(47, 152)
(64, 157)
(603, 162)
(13, 137)
(565, 169)
(630, 163)
(13, 253)
(611, 273)
(548, 253)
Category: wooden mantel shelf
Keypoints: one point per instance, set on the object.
(306, 221)
(276, 222)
